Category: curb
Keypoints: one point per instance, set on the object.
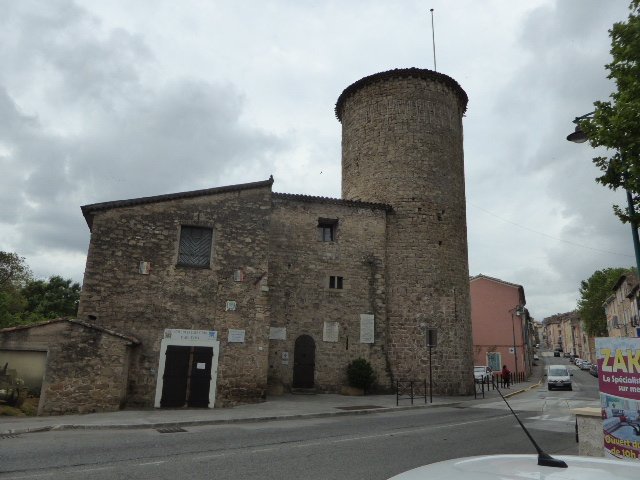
(193, 423)
(535, 385)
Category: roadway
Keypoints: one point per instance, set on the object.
(373, 446)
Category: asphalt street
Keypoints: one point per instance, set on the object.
(374, 446)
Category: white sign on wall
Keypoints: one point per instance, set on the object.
(277, 333)
(235, 336)
(330, 331)
(367, 328)
(190, 335)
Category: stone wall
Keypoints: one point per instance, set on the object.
(402, 145)
(86, 369)
(300, 264)
(117, 296)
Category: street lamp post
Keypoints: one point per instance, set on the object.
(517, 311)
(578, 136)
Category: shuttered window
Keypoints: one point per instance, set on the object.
(195, 246)
(327, 229)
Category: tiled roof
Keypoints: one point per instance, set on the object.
(401, 72)
(630, 278)
(509, 284)
(88, 210)
(334, 201)
(479, 276)
(128, 338)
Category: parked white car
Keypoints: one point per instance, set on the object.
(482, 373)
(558, 376)
(500, 467)
(585, 365)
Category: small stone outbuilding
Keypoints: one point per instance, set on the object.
(85, 366)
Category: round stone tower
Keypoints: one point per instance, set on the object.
(402, 145)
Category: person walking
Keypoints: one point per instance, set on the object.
(506, 376)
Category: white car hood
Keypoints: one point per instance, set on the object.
(519, 467)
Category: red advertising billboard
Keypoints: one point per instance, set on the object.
(619, 379)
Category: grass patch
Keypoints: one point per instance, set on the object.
(29, 408)
(7, 411)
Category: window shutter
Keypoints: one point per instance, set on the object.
(195, 246)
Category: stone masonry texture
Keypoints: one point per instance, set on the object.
(115, 295)
(402, 145)
(300, 264)
(86, 368)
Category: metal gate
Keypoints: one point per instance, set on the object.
(200, 379)
(187, 376)
(176, 374)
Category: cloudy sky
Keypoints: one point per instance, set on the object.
(103, 101)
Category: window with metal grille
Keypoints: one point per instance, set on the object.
(335, 282)
(327, 229)
(195, 246)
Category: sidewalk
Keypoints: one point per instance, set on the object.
(274, 408)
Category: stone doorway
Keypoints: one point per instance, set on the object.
(304, 362)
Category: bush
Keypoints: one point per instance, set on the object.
(360, 374)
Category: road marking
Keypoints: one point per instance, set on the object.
(549, 418)
(31, 476)
(402, 432)
(151, 463)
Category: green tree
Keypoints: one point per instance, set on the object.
(593, 292)
(24, 300)
(57, 297)
(14, 275)
(616, 123)
(14, 272)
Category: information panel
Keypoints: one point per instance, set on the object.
(367, 330)
(619, 379)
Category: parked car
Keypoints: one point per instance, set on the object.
(585, 365)
(556, 353)
(578, 361)
(566, 355)
(594, 370)
(481, 373)
(558, 376)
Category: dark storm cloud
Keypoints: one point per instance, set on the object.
(101, 127)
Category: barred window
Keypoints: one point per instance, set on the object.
(195, 246)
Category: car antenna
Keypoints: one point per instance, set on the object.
(544, 459)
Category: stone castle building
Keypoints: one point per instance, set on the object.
(234, 292)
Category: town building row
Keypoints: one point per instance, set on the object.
(566, 332)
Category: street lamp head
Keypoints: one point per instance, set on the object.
(578, 136)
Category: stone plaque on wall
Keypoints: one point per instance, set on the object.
(277, 333)
(236, 336)
(330, 332)
(367, 330)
